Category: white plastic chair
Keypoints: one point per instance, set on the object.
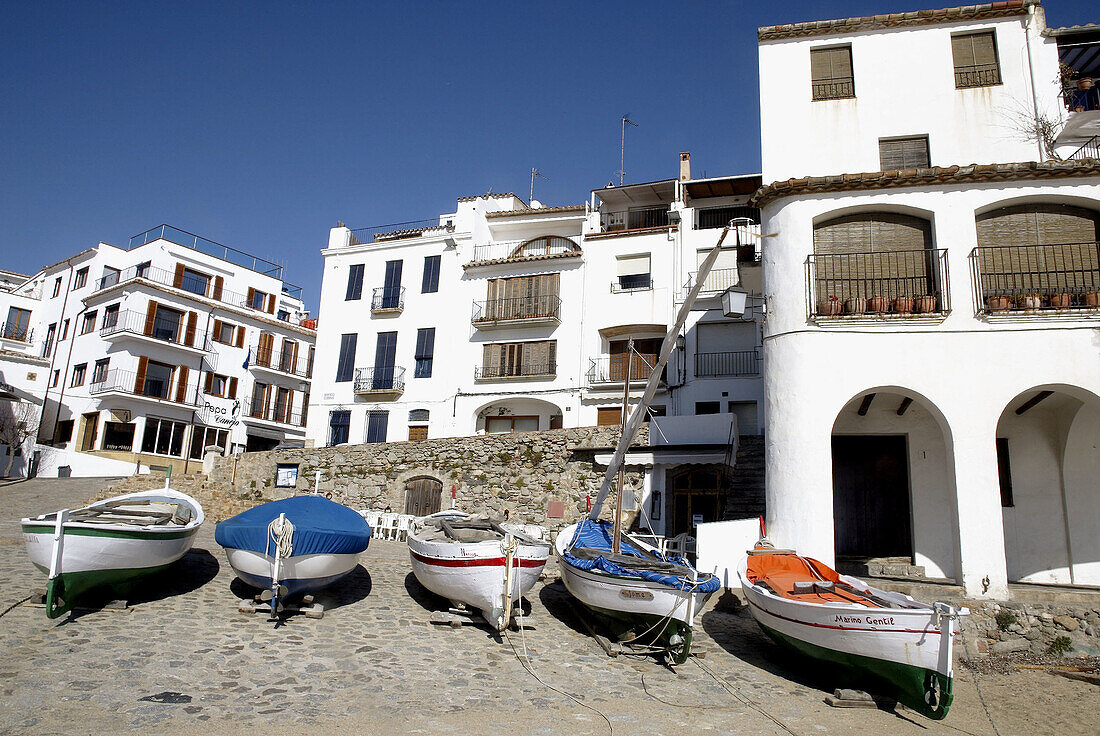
(388, 525)
(371, 517)
(403, 521)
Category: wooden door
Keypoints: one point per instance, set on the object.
(423, 496)
(871, 496)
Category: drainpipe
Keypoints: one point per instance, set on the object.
(1031, 75)
(53, 357)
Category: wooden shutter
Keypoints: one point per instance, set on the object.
(189, 336)
(418, 433)
(863, 244)
(263, 351)
(177, 281)
(143, 367)
(219, 282)
(218, 330)
(233, 387)
(251, 296)
(181, 384)
(830, 64)
(208, 387)
(609, 416)
(903, 153)
(1017, 266)
(270, 303)
(288, 407)
(240, 336)
(150, 317)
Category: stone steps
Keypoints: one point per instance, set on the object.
(745, 496)
(881, 567)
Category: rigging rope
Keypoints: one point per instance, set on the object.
(977, 688)
(743, 699)
(17, 603)
(283, 537)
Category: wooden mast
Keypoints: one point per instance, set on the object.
(622, 466)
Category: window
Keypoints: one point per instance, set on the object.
(99, 373)
(141, 270)
(831, 73)
(64, 430)
(65, 330)
(57, 286)
(425, 350)
(18, 325)
(391, 290)
(223, 332)
(192, 281)
(903, 153)
(259, 399)
(339, 425)
(163, 437)
(608, 416)
(975, 58)
(87, 324)
(204, 437)
(109, 278)
(430, 283)
(648, 217)
(633, 273)
(51, 333)
(80, 279)
(56, 378)
(504, 360)
(507, 425)
(355, 282)
(257, 300)
(522, 297)
(110, 316)
(78, 374)
(708, 407)
(377, 423)
(216, 384)
(418, 415)
(419, 432)
(158, 379)
(1004, 473)
(118, 436)
(345, 366)
(283, 399)
(283, 315)
(166, 324)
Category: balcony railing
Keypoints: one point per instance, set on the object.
(383, 380)
(388, 299)
(284, 362)
(15, 331)
(977, 75)
(634, 282)
(1036, 277)
(1091, 149)
(833, 88)
(717, 281)
(521, 250)
(900, 283)
(194, 285)
(165, 330)
(394, 231)
(275, 413)
(613, 368)
(224, 252)
(738, 363)
(542, 307)
(126, 382)
(523, 370)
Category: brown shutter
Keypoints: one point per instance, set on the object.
(289, 406)
(209, 386)
(219, 282)
(178, 280)
(267, 400)
(233, 387)
(181, 384)
(270, 303)
(251, 296)
(240, 336)
(218, 330)
(293, 356)
(830, 64)
(189, 336)
(263, 349)
(150, 316)
(143, 367)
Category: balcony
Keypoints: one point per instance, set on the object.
(610, 370)
(135, 325)
(395, 231)
(522, 311)
(901, 284)
(977, 75)
(380, 382)
(1033, 280)
(737, 363)
(517, 251)
(204, 288)
(388, 300)
(716, 282)
(125, 383)
(634, 282)
(289, 364)
(833, 88)
(1090, 149)
(17, 332)
(275, 414)
(520, 371)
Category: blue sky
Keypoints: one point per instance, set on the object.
(259, 125)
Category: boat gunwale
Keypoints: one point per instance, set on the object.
(48, 521)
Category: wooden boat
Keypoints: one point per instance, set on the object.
(293, 546)
(889, 641)
(652, 598)
(475, 561)
(110, 544)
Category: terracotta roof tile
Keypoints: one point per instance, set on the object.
(502, 195)
(895, 20)
(537, 211)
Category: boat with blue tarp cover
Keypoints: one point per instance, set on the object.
(293, 546)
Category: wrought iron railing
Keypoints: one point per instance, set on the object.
(156, 275)
(166, 330)
(737, 363)
(833, 88)
(613, 368)
(897, 282)
(518, 250)
(394, 231)
(977, 75)
(16, 331)
(151, 387)
(274, 413)
(1036, 277)
(203, 245)
(633, 282)
(521, 370)
(719, 279)
(165, 277)
(544, 306)
(1091, 149)
(385, 298)
(284, 362)
(391, 378)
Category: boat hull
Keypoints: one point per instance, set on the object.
(300, 574)
(896, 651)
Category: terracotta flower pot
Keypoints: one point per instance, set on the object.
(854, 305)
(829, 307)
(903, 304)
(1029, 301)
(1092, 299)
(999, 303)
(1061, 301)
(878, 304)
(925, 304)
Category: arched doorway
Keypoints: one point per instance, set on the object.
(698, 496)
(423, 495)
(1048, 456)
(893, 487)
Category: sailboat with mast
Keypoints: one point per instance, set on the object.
(649, 597)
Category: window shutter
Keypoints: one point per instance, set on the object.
(209, 385)
(143, 367)
(962, 51)
(218, 330)
(263, 351)
(181, 384)
(270, 303)
(345, 366)
(632, 265)
(189, 337)
(289, 405)
(240, 336)
(552, 357)
(903, 153)
(355, 282)
(177, 281)
(150, 317)
(219, 282)
(233, 387)
(251, 297)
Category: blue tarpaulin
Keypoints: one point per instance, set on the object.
(320, 526)
(596, 536)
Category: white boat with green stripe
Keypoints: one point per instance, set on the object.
(110, 544)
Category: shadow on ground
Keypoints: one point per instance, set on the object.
(344, 592)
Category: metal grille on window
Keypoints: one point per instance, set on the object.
(831, 73)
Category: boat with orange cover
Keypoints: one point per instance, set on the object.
(888, 641)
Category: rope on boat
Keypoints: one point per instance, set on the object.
(281, 532)
(744, 699)
(17, 603)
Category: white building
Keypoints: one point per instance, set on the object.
(23, 370)
(506, 317)
(932, 375)
(160, 350)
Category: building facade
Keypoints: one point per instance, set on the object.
(162, 351)
(932, 376)
(23, 371)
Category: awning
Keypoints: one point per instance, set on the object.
(653, 192)
(669, 455)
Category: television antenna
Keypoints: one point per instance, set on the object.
(622, 147)
(535, 173)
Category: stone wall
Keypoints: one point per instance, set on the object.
(1010, 627)
(520, 472)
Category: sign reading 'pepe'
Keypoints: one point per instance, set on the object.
(220, 414)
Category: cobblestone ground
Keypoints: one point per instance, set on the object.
(374, 664)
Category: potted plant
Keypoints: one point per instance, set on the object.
(878, 304)
(1092, 299)
(924, 304)
(903, 304)
(999, 303)
(855, 305)
(1029, 301)
(1062, 300)
(829, 307)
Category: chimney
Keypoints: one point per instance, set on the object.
(685, 166)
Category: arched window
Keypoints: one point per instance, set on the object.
(545, 245)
